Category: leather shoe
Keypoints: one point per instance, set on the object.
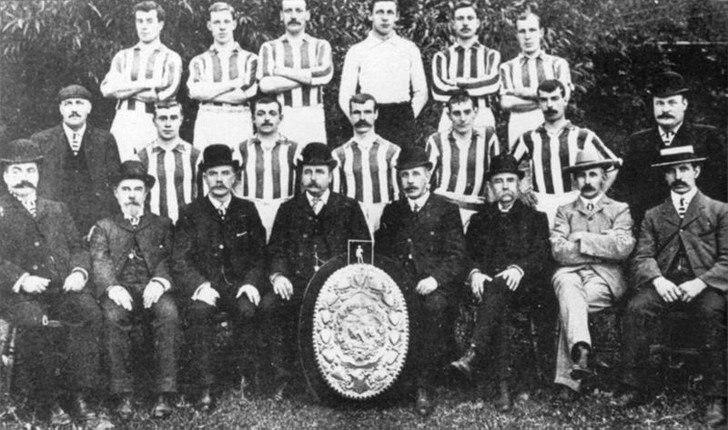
(565, 394)
(580, 369)
(423, 406)
(59, 417)
(465, 363)
(715, 412)
(124, 408)
(83, 410)
(162, 409)
(503, 401)
(628, 398)
(204, 403)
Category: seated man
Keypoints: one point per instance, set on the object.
(422, 233)
(591, 238)
(217, 262)
(47, 267)
(508, 243)
(681, 262)
(129, 254)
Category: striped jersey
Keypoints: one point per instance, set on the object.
(215, 66)
(312, 54)
(367, 174)
(460, 167)
(550, 153)
(158, 64)
(476, 65)
(528, 72)
(175, 171)
(268, 173)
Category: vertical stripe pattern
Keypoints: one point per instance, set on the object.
(475, 68)
(523, 72)
(367, 174)
(214, 66)
(268, 173)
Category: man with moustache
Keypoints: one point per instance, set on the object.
(147, 73)
(591, 239)
(366, 162)
(681, 263)
(217, 263)
(268, 171)
(508, 246)
(129, 256)
(223, 80)
(78, 161)
(296, 67)
(389, 68)
(521, 77)
(310, 229)
(468, 66)
(643, 187)
(172, 162)
(460, 156)
(422, 233)
(553, 146)
(47, 266)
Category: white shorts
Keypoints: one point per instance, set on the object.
(521, 122)
(267, 210)
(133, 130)
(226, 124)
(484, 118)
(373, 215)
(304, 125)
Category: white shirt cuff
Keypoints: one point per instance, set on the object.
(19, 282)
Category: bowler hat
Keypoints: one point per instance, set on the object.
(504, 163)
(218, 155)
(21, 151)
(410, 158)
(678, 155)
(133, 169)
(74, 92)
(668, 84)
(590, 158)
(317, 154)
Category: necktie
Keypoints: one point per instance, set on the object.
(134, 221)
(316, 204)
(667, 138)
(590, 207)
(221, 212)
(75, 143)
(683, 207)
(30, 206)
(415, 208)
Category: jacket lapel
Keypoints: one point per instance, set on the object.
(669, 213)
(695, 209)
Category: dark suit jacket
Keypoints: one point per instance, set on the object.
(113, 239)
(643, 187)
(227, 253)
(526, 247)
(434, 237)
(48, 245)
(102, 157)
(703, 232)
(291, 246)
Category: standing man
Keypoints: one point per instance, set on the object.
(78, 161)
(172, 162)
(222, 79)
(269, 160)
(460, 156)
(590, 241)
(681, 263)
(423, 233)
(367, 162)
(467, 65)
(310, 229)
(508, 245)
(140, 76)
(48, 266)
(129, 254)
(218, 262)
(552, 147)
(643, 187)
(389, 68)
(521, 76)
(295, 67)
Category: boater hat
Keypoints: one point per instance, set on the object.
(317, 154)
(679, 155)
(503, 163)
(668, 84)
(133, 169)
(413, 157)
(590, 158)
(21, 151)
(218, 155)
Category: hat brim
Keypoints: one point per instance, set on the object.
(605, 164)
(670, 92)
(38, 159)
(148, 180)
(235, 164)
(520, 173)
(674, 162)
(330, 163)
(412, 165)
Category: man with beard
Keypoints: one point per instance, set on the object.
(422, 233)
(366, 162)
(643, 187)
(47, 265)
(268, 174)
(310, 229)
(222, 79)
(78, 161)
(468, 66)
(590, 241)
(681, 263)
(553, 144)
(296, 67)
(218, 262)
(129, 254)
(508, 245)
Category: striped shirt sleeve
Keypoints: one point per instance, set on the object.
(323, 71)
(442, 87)
(171, 76)
(489, 81)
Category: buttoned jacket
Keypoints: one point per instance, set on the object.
(114, 238)
(703, 231)
(606, 240)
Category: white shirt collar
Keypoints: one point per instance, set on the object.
(129, 217)
(367, 142)
(502, 209)
(672, 132)
(687, 196)
(420, 202)
(393, 37)
(217, 204)
(324, 197)
(593, 201)
(69, 132)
